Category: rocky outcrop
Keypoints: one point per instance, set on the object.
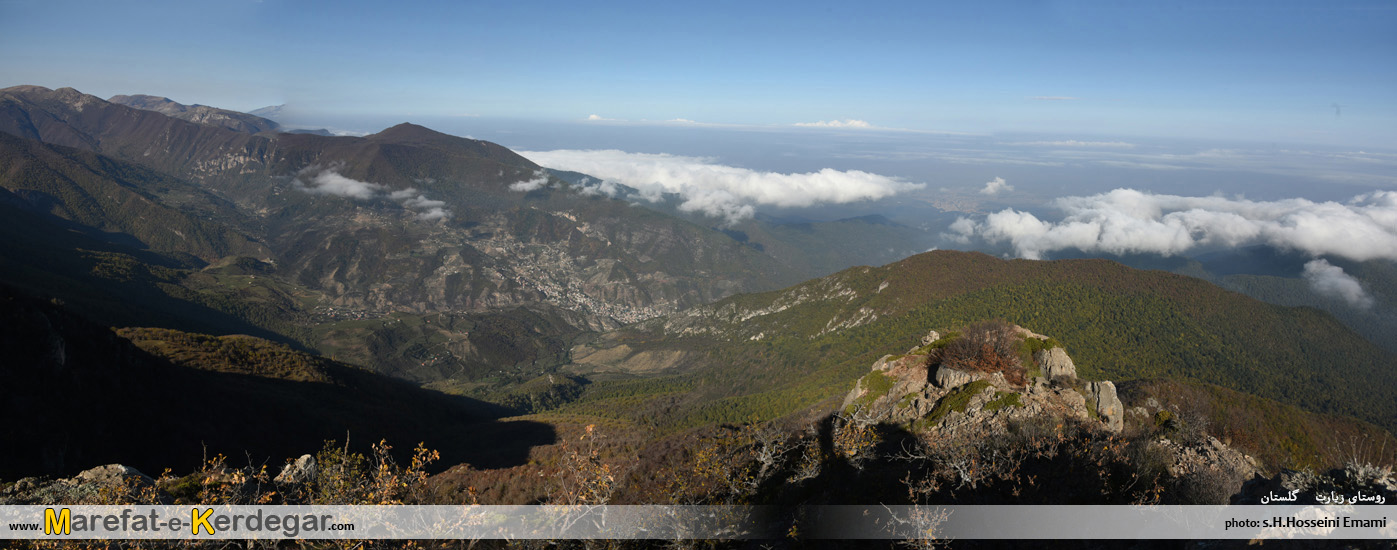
(113, 474)
(1208, 453)
(880, 393)
(1055, 363)
(1101, 398)
(947, 377)
(975, 410)
(930, 337)
(302, 470)
(907, 389)
(94, 486)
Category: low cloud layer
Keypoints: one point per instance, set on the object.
(1330, 280)
(1075, 143)
(328, 181)
(850, 123)
(717, 190)
(1129, 221)
(995, 187)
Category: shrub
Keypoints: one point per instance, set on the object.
(988, 347)
(1164, 420)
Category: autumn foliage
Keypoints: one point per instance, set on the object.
(988, 347)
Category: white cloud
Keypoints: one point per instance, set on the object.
(427, 209)
(599, 118)
(1128, 221)
(1330, 280)
(850, 123)
(591, 187)
(328, 181)
(717, 190)
(961, 231)
(995, 187)
(539, 181)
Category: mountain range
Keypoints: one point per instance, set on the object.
(478, 300)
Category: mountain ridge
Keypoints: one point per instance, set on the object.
(1121, 324)
(201, 114)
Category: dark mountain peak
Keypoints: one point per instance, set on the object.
(26, 89)
(409, 132)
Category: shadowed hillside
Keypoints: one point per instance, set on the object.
(76, 395)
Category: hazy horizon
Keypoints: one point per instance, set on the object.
(1026, 128)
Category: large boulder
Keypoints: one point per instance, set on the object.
(1055, 363)
(947, 377)
(1101, 397)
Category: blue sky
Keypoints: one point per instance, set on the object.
(1242, 70)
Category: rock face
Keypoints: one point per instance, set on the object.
(301, 471)
(947, 377)
(1055, 363)
(1101, 397)
(879, 393)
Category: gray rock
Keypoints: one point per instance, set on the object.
(931, 337)
(947, 377)
(114, 474)
(1101, 396)
(1055, 363)
(300, 471)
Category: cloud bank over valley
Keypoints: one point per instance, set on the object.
(718, 190)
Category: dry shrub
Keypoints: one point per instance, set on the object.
(988, 347)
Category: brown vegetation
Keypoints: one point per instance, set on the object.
(988, 347)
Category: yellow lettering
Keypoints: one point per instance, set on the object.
(201, 519)
(60, 523)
